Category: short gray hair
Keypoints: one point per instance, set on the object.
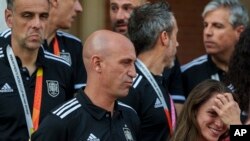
(10, 4)
(238, 13)
(147, 22)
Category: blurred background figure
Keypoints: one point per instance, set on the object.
(61, 15)
(120, 11)
(223, 21)
(238, 76)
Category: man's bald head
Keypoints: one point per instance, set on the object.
(109, 61)
(104, 43)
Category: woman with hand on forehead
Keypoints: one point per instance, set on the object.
(207, 113)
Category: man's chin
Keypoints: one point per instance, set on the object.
(121, 30)
(33, 45)
(123, 94)
(170, 65)
(212, 52)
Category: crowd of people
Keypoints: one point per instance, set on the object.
(125, 83)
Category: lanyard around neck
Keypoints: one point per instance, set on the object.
(56, 47)
(22, 92)
(20, 87)
(37, 98)
(158, 91)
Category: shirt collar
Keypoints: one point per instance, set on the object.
(214, 68)
(95, 111)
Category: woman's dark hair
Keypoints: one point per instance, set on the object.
(239, 70)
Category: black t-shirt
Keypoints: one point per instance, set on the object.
(143, 98)
(80, 120)
(173, 82)
(57, 88)
(198, 70)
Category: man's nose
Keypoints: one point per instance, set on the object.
(132, 71)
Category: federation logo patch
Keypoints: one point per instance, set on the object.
(66, 56)
(53, 88)
(127, 133)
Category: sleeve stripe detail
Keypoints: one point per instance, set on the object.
(56, 58)
(127, 106)
(70, 111)
(195, 62)
(178, 97)
(137, 81)
(61, 33)
(6, 33)
(68, 107)
(80, 85)
(65, 104)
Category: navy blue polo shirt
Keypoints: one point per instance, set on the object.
(198, 70)
(80, 120)
(57, 88)
(143, 98)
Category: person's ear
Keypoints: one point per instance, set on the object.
(96, 63)
(164, 38)
(239, 30)
(54, 3)
(8, 17)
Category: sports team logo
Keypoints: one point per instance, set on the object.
(127, 133)
(66, 56)
(52, 87)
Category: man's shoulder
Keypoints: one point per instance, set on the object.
(54, 59)
(67, 110)
(196, 64)
(6, 33)
(139, 82)
(68, 37)
(126, 107)
(128, 112)
(4, 37)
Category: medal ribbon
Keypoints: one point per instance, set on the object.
(56, 47)
(37, 98)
